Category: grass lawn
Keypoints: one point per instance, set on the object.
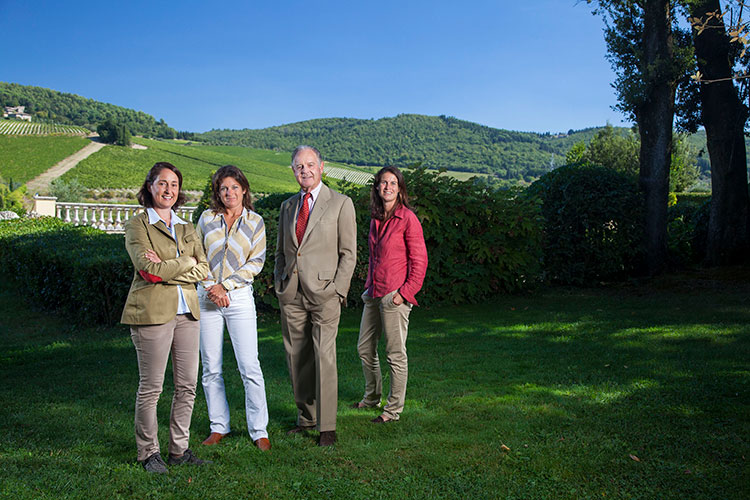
(619, 393)
(24, 157)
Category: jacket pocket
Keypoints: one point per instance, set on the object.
(326, 275)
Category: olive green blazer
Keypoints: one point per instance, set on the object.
(153, 296)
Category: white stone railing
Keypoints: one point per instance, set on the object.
(108, 217)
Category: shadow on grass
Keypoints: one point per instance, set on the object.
(530, 397)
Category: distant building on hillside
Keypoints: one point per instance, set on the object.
(18, 112)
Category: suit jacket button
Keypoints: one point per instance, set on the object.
(299, 254)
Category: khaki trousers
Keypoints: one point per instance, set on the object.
(381, 316)
(309, 333)
(153, 344)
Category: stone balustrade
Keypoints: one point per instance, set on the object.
(108, 217)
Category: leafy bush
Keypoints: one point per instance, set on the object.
(593, 223)
(268, 208)
(11, 197)
(70, 190)
(687, 229)
(81, 272)
(480, 242)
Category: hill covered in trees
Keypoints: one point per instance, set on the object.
(50, 105)
(436, 141)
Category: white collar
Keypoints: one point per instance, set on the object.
(154, 217)
(315, 192)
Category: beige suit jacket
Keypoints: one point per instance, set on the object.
(321, 266)
(153, 295)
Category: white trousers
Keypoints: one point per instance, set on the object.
(240, 320)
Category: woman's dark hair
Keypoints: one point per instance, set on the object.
(235, 173)
(144, 195)
(377, 209)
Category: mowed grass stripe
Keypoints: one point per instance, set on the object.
(24, 157)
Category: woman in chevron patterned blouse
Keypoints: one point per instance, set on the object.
(234, 237)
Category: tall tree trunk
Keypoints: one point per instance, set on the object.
(655, 116)
(724, 117)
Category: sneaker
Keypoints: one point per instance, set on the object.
(155, 464)
(187, 458)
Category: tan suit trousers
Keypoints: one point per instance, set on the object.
(153, 344)
(381, 316)
(309, 333)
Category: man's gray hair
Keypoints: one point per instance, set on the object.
(301, 148)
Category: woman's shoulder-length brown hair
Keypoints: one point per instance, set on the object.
(144, 195)
(235, 173)
(377, 209)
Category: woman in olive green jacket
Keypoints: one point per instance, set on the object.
(162, 311)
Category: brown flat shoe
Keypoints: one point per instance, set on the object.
(263, 444)
(327, 438)
(359, 405)
(214, 438)
(297, 429)
(380, 420)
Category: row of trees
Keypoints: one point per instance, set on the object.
(666, 71)
(50, 105)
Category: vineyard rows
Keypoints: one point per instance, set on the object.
(354, 176)
(16, 127)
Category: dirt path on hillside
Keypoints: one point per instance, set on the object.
(40, 184)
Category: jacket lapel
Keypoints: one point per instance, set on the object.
(161, 228)
(292, 210)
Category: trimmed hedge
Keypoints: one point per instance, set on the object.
(594, 223)
(81, 272)
(480, 242)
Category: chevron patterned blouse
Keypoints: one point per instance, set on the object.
(235, 255)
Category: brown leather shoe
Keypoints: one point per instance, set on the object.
(297, 429)
(263, 444)
(327, 438)
(214, 438)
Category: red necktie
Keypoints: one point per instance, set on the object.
(304, 213)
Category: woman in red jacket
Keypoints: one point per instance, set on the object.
(398, 262)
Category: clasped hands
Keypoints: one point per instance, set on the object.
(218, 295)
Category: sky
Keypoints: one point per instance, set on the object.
(535, 65)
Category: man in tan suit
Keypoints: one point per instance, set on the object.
(315, 256)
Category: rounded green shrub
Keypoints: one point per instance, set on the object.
(593, 223)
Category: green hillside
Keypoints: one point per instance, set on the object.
(436, 141)
(24, 157)
(50, 105)
(124, 167)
